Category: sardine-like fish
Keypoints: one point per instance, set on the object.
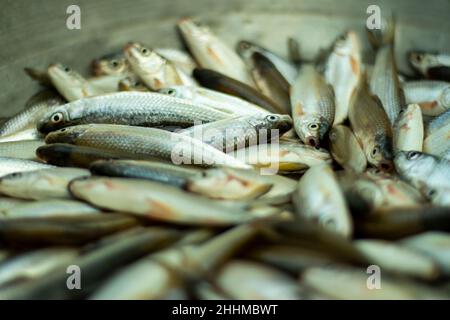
(155, 71)
(22, 149)
(35, 264)
(114, 63)
(319, 198)
(36, 106)
(261, 282)
(408, 129)
(11, 165)
(397, 259)
(49, 208)
(211, 52)
(287, 69)
(431, 65)
(426, 172)
(384, 83)
(154, 200)
(144, 142)
(286, 157)
(70, 84)
(216, 81)
(239, 132)
(40, 184)
(433, 97)
(346, 150)
(68, 155)
(214, 99)
(343, 72)
(313, 108)
(130, 108)
(371, 127)
(270, 81)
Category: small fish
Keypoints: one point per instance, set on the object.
(12, 165)
(68, 155)
(395, 258)
(131, 108)
(155, 201)
(22, 149)
(138, 142)
(313, 109)
(285, 156)
(70, 84)
(35, 264)
(216, 81)
(66, 230)
(114, 63)
(155, 71)
(240, 132)
(270, 81)
(49, 208)
(40, 184)
(214, 99)
(433, 97)
(346, 150)
(431, 65)
(408, 130)
(343, 71)
(372, 128)
(287, 69)
(211, 52)
(261, 282)
(319, 198)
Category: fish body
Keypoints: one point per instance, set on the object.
(343, 71)
(214, 99)
(179, 58)
(433, 97)
(371, 127)
(131, 108)
(319, 198)
(22, 149)
(313, 108)
(408, 130)
(211, 52)
(144, 143)
(346, 149)
(40, 184)
(12, 165)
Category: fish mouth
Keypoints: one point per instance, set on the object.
(386, 166)
(312, 141)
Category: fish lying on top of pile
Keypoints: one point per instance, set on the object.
(274, 169)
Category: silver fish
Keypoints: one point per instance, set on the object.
(22, 149)
(432, 96)
(408, 130)
(11, 165)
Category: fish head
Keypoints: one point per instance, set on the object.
(139, 55)
(444, 98)
(11, 180)
(347, 44)
(53, 120)
(312, 130)
(280, 122)
(379, 153)
(59, 73)
(414, 165)
(421, 61)
(110, 66)
(192, 30)
(245, 49)
(66, 135)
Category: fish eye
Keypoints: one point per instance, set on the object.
(114, 63)
(375, 151)
(15, 174)
(431, 193)
(171, 92)
(418, 57)
(412, 155)
(144, 51)
(313, 126)
(63, 129)
(57, 117)
(67, 69)
(272, 118)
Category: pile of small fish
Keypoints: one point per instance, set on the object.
(110, 174)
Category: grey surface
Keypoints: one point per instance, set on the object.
(34, 33)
